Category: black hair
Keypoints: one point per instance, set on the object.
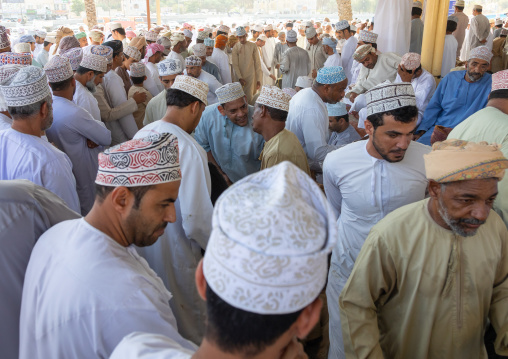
(345, 117)
(120, 30)
(416, 11)
(289, 24)
(46, 43)
(83, 70)
(415, 70)
(479, 10)
(138, 80)
(502, 94)
(373, 44)
(243, 331)
(222, 33)
(451, 26)
(178, 98)
(62, 85)
(275, 113)
(253, 31)
(101, 192)
(125, 56)
(499, 26)
(460, 8)
(404, 114)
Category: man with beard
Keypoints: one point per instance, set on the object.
(24, 155)
(308, 116)
(193, 68)
(225, 132)
(432, 274)
(74, 130)
(89, 74)
(366, 180)
(376, 69)
(458, 95)
(85, 286)
(177, 253)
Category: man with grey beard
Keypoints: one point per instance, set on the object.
(89, 74)
(458, 95)
(431, 274)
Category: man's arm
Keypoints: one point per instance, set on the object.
(257, 66)
(210, 157)
(331, 185)
(109, 114)
(314, 133)
(374, 277)
(434, 108)
(362, 77)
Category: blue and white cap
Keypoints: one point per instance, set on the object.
(336, 109)
(341, 25)
(331, 42)
(240, 31)
(169, 67)
(330, 75)
(291, 36)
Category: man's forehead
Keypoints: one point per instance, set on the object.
(479, 61)
(235, 104)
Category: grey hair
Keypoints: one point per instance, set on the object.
(29, 110)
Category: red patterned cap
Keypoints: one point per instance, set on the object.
(140, 162)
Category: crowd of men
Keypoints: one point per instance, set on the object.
(282, 190)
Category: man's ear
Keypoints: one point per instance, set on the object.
(200, 280)
(122, 200)
(369, 128)
(44, 110)
(308, 318)
(221, 110)
(434, 189)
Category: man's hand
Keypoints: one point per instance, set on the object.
(242, 82)
(269, 69)
(355, 114)
(294, 350)
(91, 144)
(258, 85)
(277, 66)
(483, 41)
(139, 97)
(417, 135)
(314, 74)
(273, 77)
(404, 75)
(352, 96)
(226, 178)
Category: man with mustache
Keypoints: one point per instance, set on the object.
(366, 180)
(458, 95)
(177, 253)
(433, 273)
(86, 287)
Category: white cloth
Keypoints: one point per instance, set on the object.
(38, 49)
(490, 41)
(347, 57)
(110, 291)
(175, 256)
(26, 212)
(220, 58)
(268, 52)
(30, 157)
(362, 190)
(213, 85)
(424, 87)
(267, 80)
(149, 346)
(391, 17)
(449, 54)
(333, 60)
(153, 82)
(466, 46)
(355, 71)
(295, 63)
(5, 122)
(86, 100)
(71, 128)
(308, 120)
(302, 42)
(124, 128)
(345, 137)
(42, 57)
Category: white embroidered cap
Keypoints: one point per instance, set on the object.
(7, 71)
(229, 92)
(271, 235)
(29, 85)
(132, 52)
(94, 62)
(58, 69)
(169, 67)
(304, 81)
(115, 26)
(138, 69)
(274, 97)
(151, 36)
(41, 33)
(193, 60)
(22, 48)
(199, 50)
(74, 56)
(187, 33)
(388, 96)
(192, 86)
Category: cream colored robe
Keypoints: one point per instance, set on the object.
(247, 66)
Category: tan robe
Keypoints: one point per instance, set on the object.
(460, 32)
(478, 31)
(499, 59)
(420, 291)
(139, 114)
(247, 66)
(284, 146)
